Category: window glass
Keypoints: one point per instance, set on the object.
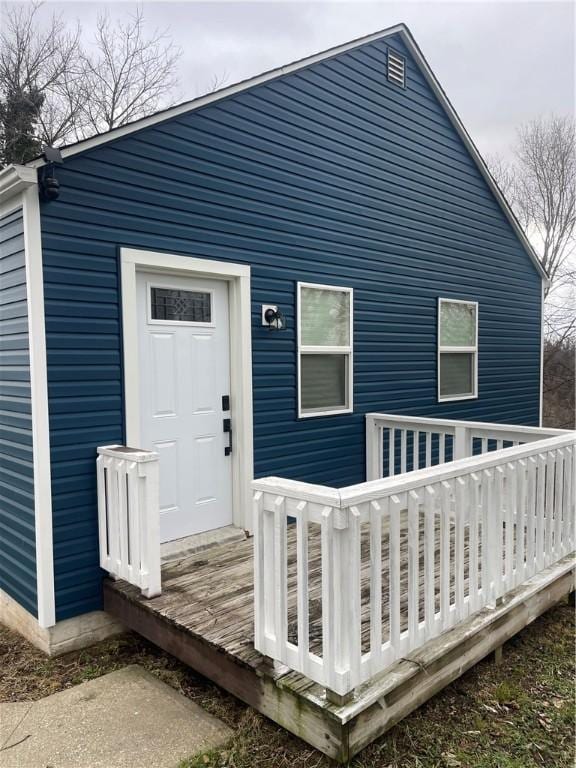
(324, 317)
(323, 382)
(456, 374)
(457, 325)
(180, 306)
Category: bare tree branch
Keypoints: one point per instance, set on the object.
(129, 75)
(540, 185)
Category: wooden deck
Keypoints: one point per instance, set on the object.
(204, 616)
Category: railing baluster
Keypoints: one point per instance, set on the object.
(415, 450)
(302, 585)
(101, 462)
(280, 577)
(428, 449)
(413, 567)
(521, 528)
(445, 501)
(376, 512)
(392, 453)
(394, 560)
(558, 504)
(441, 447)
(133, 523)
(352, 627)
(430, 494)
(549, 506)
(509, 510)
(531, 517)
(473, 597)
(570, 505)
(462, 504)
(403, 450)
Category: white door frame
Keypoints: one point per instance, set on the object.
(238, 278)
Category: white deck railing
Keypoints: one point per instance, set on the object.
(371, 572)
(399, 444)
(129, 516)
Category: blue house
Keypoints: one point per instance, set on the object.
(234, 283)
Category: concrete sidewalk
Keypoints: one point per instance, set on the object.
(126, 719)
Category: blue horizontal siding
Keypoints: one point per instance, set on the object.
(17, 522)
(329, 175)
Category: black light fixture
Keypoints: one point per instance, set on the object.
(49, 184)
(272, 318)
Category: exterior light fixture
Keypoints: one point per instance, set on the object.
(272, 318)
(49, 184)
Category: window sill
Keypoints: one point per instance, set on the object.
(454, 398)
(316, 414)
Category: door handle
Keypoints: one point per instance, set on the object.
(227, 427)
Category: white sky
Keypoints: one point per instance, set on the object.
(501, 63)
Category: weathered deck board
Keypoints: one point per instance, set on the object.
(205, 617)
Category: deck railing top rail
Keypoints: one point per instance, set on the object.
(450, 425)
(339, 498)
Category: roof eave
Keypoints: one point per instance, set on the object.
(400, 29)
(14, 179)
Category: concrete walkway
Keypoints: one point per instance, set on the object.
(126, 719)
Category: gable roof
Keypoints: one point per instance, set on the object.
(411, 44)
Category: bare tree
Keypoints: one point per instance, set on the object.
(540, 185)
(129, 75)
(53, 90)
(40, 69)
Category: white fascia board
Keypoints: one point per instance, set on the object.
(399, 29)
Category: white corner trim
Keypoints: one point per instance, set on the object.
(238, 279)
(39, 397)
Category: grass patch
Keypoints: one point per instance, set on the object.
(520, 714)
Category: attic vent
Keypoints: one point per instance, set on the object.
(396, 68)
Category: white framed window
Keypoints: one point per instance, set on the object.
(457, 349)
(325, 341)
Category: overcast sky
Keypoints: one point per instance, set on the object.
(501, 63)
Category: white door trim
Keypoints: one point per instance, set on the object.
(238, 278)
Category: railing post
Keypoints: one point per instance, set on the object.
(149, 477)
(374, 458)
(461, 443)
(341, 600)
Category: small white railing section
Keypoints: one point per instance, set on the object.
(399, 444)
(129, 516)
(347, 581)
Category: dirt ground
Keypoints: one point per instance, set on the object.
(520, 714)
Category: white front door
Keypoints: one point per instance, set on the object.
(184, 360)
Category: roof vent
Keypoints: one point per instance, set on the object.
(396, 68)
